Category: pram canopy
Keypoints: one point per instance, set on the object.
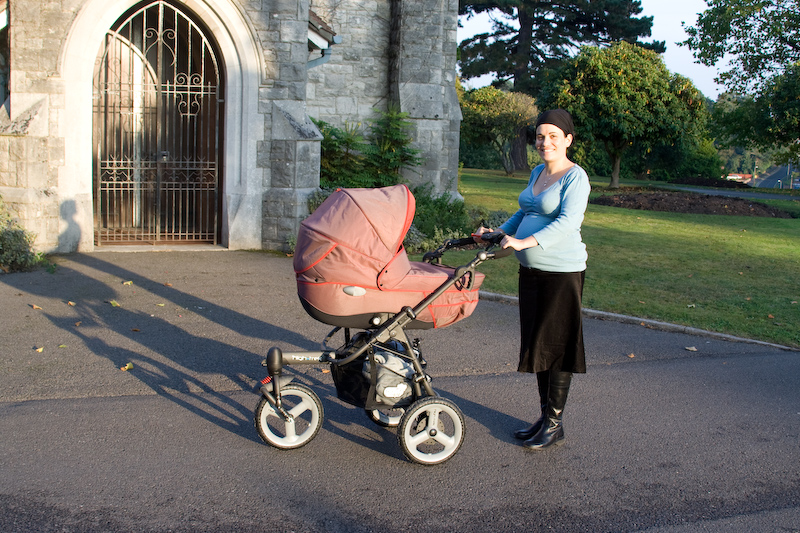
(351, 265)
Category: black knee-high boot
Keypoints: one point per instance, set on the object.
(543, 381)
(552, 431)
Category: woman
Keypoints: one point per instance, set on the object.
(546, 235)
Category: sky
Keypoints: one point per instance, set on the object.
(667, 18)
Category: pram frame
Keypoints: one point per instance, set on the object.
(391, 330)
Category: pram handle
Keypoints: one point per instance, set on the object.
(491, 238)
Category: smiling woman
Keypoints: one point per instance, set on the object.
(545, 232)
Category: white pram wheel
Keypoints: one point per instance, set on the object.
(386, 417)
(431, 430)
(305, 408)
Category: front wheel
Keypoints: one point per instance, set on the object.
(431, 430)
(305, 410)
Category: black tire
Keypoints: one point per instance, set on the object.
(431, 430)
(306, 409)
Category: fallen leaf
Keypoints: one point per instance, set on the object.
(690, 306)
(326, 371)
(168, 284)
(127, 282)
(127, 367)
(690, 275)
(114, 303)
(134, 329)
(71, 304)
(741, 273)
(62, 345)
(794, 302)
(770, 316)
(631, 355)
(35, 306)
(40, 349)
(78, 323)
(160, 305)
(641, 302)
(691, 348)
(748, 298)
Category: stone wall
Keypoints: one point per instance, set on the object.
(271, 149)
(31, 151)
(356, 80)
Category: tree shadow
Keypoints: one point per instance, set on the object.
(185, 362)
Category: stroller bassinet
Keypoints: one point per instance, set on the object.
(352, 269)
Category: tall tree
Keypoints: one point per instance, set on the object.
(495, 117)
(624, 94)
(530, 35)
(758, 39)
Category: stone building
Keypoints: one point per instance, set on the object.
(188, 121)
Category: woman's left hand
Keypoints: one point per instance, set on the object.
(518, 244)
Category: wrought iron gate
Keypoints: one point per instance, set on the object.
(158, 106)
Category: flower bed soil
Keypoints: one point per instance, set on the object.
(686, 202)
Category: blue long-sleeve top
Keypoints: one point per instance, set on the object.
(554, 217)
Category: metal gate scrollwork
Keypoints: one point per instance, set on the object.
(157, 126)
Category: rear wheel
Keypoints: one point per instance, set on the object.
(386, 416)
(306, 412)
(431, 430)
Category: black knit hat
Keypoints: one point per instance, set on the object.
(559, 118)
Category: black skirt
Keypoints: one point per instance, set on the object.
(551, 323)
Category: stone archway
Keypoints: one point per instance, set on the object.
(240, 206)
(158, 97)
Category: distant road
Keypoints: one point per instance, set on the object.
(770, 181)
(754, 194)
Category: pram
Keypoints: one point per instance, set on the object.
(353, 273)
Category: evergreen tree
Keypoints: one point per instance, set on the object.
(549, 32)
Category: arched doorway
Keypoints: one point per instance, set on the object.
(157, 130)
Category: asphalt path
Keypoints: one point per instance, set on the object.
(667, 431)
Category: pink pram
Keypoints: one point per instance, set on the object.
(353, 272)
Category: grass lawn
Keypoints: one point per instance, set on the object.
(735, 275)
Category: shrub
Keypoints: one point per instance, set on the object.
(351, 160)
(16, 245)
(390, 148)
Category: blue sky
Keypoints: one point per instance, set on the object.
(667, 18)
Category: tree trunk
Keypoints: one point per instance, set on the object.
(522, 55)
(616, 159)
(519, 152)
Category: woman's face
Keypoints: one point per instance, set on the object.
(551, 143)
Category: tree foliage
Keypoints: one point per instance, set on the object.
(529, 35)
(496, 117)
(758, 38)
(769, 121)
(623, 94)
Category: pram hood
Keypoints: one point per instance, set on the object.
(350, 262)
(367, 226)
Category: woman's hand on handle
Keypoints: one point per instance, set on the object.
(518, 244)
(478, 232)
